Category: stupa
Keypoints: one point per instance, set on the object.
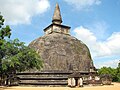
(61, 51)
(63, 55)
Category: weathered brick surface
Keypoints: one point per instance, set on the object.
(62, 52)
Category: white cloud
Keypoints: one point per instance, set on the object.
(83, 4)
(100, 27)
(111, 63)
(108, 47)
(21, 11)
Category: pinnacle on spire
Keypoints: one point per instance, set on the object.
(57, 19)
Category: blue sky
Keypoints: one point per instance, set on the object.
(95, 22)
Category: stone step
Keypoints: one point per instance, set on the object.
(43, 81)
(43, 78)
(29, 82)
(37, 76)
(44, 84)
(46, 72)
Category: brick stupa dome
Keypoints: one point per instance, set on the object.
(61, 51)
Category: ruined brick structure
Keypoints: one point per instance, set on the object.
(61, 51)
(62, 55)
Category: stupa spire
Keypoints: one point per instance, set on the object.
(57, 19)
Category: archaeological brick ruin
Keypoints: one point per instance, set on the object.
(65, 58)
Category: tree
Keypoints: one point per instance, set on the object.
(19, 57)
(14, 55)
(110, 71)
(4, 33)
(114, 72)
(119, 64)
(118, 72)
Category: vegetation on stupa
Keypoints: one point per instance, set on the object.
(14, 55)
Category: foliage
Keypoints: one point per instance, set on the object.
(18, 57)
(4, 31)
(14, 55)
(118, 72)
(114, 72)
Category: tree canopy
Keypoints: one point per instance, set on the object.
(114, 72)
(18, 57)
(4, 30)
(14, 55)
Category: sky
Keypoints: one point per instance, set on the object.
(95, 22)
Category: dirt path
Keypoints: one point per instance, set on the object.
(115, 86)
